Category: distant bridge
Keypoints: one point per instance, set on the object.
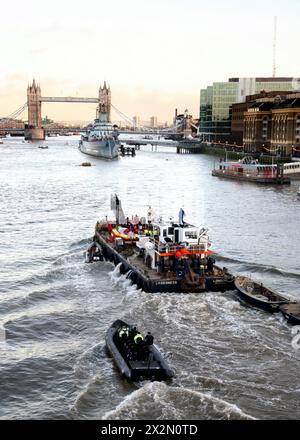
(20, 131)
(153, 142)
(69, 99)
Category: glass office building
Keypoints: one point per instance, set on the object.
(206, 101)
(284, 86)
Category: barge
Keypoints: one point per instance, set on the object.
(158, 255)
(249, 170)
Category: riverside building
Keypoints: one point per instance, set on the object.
(216, 101)
(272, 125)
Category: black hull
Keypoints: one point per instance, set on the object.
(292, 316)
(268, 307)
(212, 283)
(152, 368)
(291, 319)
(259, 296)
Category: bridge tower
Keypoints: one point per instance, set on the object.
(104, 106)
(34, 130)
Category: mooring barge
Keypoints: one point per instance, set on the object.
(249, 170)
(160, 256)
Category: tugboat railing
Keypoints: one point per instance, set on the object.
(170, 248)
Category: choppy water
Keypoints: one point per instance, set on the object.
(231, 361)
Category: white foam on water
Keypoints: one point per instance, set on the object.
(164, 402)
(295, 330)
(116, 271)
(122, 280)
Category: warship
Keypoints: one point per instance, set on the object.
(102, 138)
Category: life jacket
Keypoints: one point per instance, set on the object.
(123, 332)
(138, 338)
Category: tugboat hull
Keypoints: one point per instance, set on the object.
(144, 280)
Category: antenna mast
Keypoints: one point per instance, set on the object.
(274, 47)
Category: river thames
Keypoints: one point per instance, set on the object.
(230, 361)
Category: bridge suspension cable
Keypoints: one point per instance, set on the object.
(14, 115)
(129, 120)
(123, 116)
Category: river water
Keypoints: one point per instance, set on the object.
(230, 361)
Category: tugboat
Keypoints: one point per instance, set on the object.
(136, 362)
(102, 139)
(158, 255)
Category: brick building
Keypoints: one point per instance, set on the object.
(272, 124)
(238, 113)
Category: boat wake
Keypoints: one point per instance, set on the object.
(122, 281)
(158, 401)
(250, 266)
(81, 243)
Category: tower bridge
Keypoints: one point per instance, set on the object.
(34, 129)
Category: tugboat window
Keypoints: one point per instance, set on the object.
(191, 234)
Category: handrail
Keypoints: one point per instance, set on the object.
(170, 248)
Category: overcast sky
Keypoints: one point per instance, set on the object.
(155, 54)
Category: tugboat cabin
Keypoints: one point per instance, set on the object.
(168, 240)
(160, 256)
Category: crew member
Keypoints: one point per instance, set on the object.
(132, 332)
(123, 333)
(149, 338)
(138, 338)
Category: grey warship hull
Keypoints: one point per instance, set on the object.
(105, 149)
